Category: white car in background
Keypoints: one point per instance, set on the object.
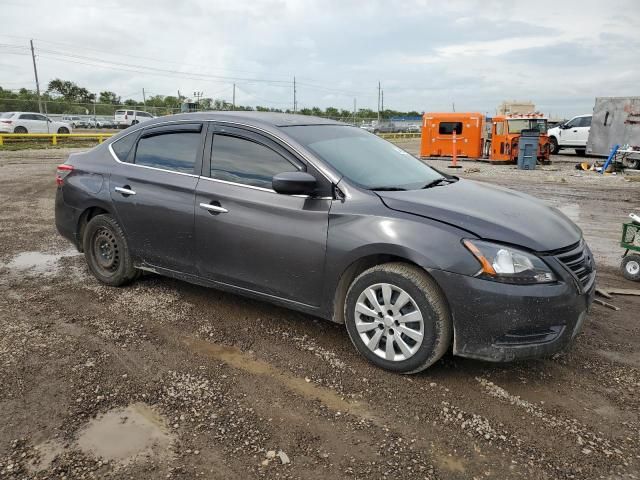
(126, 118)
(571, 134)
(28, 122)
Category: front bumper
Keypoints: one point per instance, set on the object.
(500, 322)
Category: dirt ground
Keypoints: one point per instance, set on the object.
(163, 379)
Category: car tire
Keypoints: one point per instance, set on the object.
(632, 163)
(420, 330)
(20, 130)
(631, 267)
(555, 148)
(63, 130)
(581, 152)
(107, 252)
(135, 122)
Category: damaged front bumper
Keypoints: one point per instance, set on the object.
(501, 322)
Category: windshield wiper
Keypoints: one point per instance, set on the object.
(439, 181)
(388, 189)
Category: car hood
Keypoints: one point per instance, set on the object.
(490, 212)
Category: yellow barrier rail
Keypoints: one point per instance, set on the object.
(55, 136)
(399, 135)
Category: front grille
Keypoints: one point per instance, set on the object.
(579, 261)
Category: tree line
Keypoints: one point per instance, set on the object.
(66, 97)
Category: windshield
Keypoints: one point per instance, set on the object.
(517, 125)
(364, 158)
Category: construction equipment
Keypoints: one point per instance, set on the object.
(630, 265)
(438, 130)
(502, 146)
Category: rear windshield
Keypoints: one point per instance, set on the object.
(6, 115)
(119, 112)
(364, 158)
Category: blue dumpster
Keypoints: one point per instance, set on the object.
(528, 149)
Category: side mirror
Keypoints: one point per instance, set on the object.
(294, 183)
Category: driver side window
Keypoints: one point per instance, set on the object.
(239, 160)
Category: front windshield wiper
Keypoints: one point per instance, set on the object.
(388, 189)
(439, 181)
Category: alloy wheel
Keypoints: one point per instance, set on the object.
(389, 322)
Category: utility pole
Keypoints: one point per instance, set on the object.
(234, 96)
(295, 100)
(453, 107)
(35, 71)
(382, 101)
(144, 99)
(354, 111)
(379, 90)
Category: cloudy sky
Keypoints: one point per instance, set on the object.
(428, 55)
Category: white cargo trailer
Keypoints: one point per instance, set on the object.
(616, 121)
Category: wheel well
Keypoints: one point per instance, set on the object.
(85, 217)
(351, 272)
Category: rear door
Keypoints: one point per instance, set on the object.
(153, 192)
(253, 237)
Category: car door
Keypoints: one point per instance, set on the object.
(249, 236)
(569, 132)
(152, 189)
(28, 121)
(582, 135)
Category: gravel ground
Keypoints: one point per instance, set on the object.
(163, 379)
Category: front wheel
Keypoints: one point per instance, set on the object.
(631, 267)
(555, 148)
(397, 317)
(107, 253)
(63, 130)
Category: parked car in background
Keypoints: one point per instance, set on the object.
(28, 122)
(572, 134)
(413, 128)
(368, 127)
(386, 127)
(126, 118)
(73, 120)
(328, 219)
(98, 122)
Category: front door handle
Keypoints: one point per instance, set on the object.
(126, 190)
(213, 208)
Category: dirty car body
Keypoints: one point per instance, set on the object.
(217, 225)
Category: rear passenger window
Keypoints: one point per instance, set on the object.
(170, 151)
(122, 147)
(447, 128)
(242, 161)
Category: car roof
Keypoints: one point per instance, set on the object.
(266, 119)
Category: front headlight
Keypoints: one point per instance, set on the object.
(507, 264)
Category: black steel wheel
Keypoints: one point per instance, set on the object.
(107, 253)
(555, 148)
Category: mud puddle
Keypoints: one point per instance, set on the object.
(39, 263)
(125, 435)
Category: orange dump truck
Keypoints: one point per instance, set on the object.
(505, 136)
(438, 130)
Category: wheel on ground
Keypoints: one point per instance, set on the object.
(135, 122)
(631, 267)
(20, 130)
(633, 163)
(107, 253)
(397, 317)
(63, 130)
(555, 148)
(581, 152)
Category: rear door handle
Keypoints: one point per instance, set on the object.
(213, 208)
(125, 190)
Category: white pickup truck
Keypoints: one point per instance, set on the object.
(571, 134)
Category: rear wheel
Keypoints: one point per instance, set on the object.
(107, 252)
(135, 122)
(632, 163)
(397, 318)
(555, 148)
(581, 152)
(20, 130)
(631, 267)
(63, 130)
